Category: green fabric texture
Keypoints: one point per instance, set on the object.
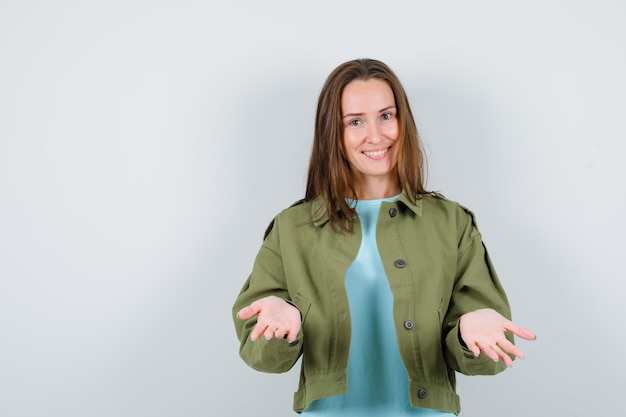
(438, 269)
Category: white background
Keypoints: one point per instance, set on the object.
(145, 145)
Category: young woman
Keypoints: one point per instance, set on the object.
(384, 289)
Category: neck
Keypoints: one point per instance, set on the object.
(376, 189)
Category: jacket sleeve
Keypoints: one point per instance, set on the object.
(476, 286)
(267, 278)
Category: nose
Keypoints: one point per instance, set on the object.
(374, 133)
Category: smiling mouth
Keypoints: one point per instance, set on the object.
(376, 154)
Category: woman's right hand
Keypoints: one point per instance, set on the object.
(275, 318)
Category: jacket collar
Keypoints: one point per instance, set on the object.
(320, 216)
(319, 213)
(415, 208)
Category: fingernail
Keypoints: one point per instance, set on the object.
(267, 338)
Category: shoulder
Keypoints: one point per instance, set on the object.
(297, 213)
(436, 205)
(438, 200)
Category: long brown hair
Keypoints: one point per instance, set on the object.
(329, 176)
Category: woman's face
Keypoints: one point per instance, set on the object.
(370, 132)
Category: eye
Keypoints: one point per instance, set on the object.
(355, 122)
(386, 116)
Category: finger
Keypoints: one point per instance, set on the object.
(490, 352)
(258, 330)
(269, 333)
(500, 348)
(502, 356)
(285, 332)
(291, 334)
(474, 348)
(520, 331)
(510, 348)
(506, 359)
(248, 312)
(288, 332)
(525, 334)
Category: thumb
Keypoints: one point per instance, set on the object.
(522, 332)
(249, 311)
(526, 334)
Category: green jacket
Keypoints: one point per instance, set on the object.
(438, 269)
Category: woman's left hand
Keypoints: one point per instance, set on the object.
(483, 331)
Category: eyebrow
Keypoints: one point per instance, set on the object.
(361, 114)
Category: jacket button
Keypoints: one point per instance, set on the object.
(408, 324)
(294, 343)
(393, 212)
(422, 393)
(399, 263)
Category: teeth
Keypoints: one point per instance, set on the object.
(375, 153)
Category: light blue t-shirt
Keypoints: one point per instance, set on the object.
(377, 380)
